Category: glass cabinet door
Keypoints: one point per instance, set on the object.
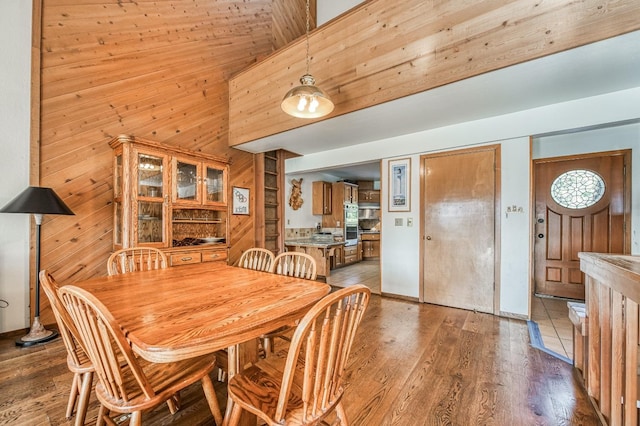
(150, 182)
(118, 224)
(149, 226)
(117, 176)
(186, 181)
(214, 185)
(150, 222)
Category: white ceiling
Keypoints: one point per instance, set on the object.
(598, 68)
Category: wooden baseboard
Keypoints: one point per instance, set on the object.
(14, 333)
(399, 296)
(512, 315)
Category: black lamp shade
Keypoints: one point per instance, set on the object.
(37, 200)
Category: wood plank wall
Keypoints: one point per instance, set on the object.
(385, 49)
(158, 69)
(290, 20)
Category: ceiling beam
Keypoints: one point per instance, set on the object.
(384, 50)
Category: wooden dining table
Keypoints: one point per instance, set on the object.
(187, 311)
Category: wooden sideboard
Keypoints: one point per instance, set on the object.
(170, 198)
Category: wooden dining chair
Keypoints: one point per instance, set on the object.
(310, 386)
(295, 264)
(258, 259)
(136, 259)
(77, 360)
(126, 383)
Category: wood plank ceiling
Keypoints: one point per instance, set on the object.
(155, 69)
(384, 50)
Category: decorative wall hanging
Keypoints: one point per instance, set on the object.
(399, 185)
(240, 200)
(295, 199)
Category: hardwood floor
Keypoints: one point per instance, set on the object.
(411, 364)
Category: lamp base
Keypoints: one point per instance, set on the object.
(37, 334)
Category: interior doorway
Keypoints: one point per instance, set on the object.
(581, 204)
(460, 228)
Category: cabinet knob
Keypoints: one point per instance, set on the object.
(428, 237)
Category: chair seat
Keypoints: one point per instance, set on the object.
(257, 389)
(166, 379)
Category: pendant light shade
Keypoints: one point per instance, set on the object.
(307, 100)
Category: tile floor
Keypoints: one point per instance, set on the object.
(366, 272)
(551, 315)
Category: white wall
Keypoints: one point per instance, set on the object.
(303, 217)
(401, 245)
(328, 9)
(15, 47)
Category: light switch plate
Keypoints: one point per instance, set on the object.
(398, 221)
(409, 221)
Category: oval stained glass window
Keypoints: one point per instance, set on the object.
(577, 189)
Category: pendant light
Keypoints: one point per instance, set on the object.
(307, 100)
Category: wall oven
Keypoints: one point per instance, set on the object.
(350, 224)
(350, 235)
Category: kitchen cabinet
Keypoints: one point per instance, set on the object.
(169, 198)
(368, 192)
(338, 257)
(321, 198)
(370, 245)
(322, 253)
(345, 192)
(369, 196)
(341, 193)
(350, 254)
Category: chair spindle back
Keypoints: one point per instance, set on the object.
(256, 258)
(107, 347)
(295, 264)
(136, 259)
(319, 352)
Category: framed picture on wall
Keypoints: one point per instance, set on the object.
(240, 200)
(399, 185)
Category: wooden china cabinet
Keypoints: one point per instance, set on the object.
(170, 198)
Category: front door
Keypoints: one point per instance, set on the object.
(459, 202)
(580, 205)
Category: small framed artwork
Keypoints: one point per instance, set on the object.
(240, 200)
(399, 185)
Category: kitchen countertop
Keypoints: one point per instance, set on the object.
(312, 243)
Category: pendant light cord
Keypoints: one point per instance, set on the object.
(307, 38)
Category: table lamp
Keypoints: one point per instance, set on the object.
(37, 201)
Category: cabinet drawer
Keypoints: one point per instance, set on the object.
(214, 256)
(351, 258)
(350, 251)
(186, 258)
(369, 237)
